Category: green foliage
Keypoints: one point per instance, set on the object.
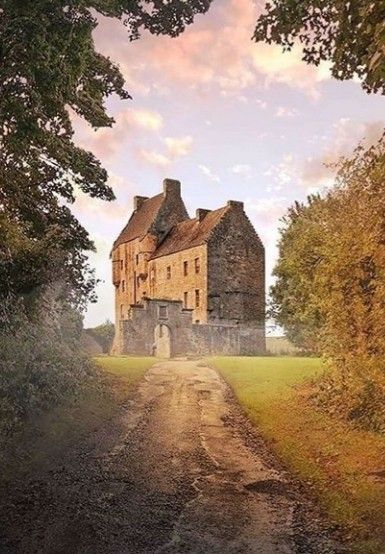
(104, 335)
(40, 363)
(48, 66)
(331, 277)
(294, 305)
(349, 35)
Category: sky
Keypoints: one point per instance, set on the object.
(229, 118)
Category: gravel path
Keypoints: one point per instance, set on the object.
(186, 473)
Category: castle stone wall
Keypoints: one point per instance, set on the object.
(142, 334)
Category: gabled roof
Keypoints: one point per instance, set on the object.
(141, 220)
(189, 233)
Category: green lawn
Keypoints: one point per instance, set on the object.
(343, 466)
(131, 369)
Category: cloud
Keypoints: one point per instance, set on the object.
(289, 68)
(178, 147)
(347, 134)
(154, 158)
(130, 123)
(243, 170)
(267, 211)
(283, 111)
(209, 174)
(143, 118)
(216, 51)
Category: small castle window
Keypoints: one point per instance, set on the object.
(185, 299)
(163, 312)
(137, 259)
(168, 272)
(197, 265)
(121, 311)
(123, 286)
(197, 298)
(121, 264)
(185, 268)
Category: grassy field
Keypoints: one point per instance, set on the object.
(60, 428)
(343, 467)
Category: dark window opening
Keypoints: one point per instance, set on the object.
(197, 265)
(123, 286)
(197, 298)
(163, 312)
(185, 299)
(185, 268)
(121, 264)
(137, 259)
(168, 272)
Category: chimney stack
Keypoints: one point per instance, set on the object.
(201, 214)
(235, 204)
(171, 187)
(138, 202)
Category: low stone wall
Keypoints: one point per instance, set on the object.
(156, 321)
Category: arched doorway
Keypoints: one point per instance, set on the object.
(162, 341)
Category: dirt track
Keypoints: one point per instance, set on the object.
(187, 474)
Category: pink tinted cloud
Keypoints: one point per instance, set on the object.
(216, 50)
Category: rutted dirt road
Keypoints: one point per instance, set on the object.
(188, 475)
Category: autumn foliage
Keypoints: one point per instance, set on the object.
(330, 288)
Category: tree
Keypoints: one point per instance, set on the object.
(330, 288)
(295, 304)
(103, 334)
(48, 65)
(349, 35)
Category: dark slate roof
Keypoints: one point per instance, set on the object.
(141, 220)
(189, 233)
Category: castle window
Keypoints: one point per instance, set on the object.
(123, 286)
(197, 298)
(185, 268)
(137, 259)
(121, 311)
(162, 312)
(168, 272)
(137, 281)
(121, 264)
(197, 265)
(185, 299)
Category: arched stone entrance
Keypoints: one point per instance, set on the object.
(162, 342)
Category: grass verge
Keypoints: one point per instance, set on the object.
(57, 431)
(344, 467)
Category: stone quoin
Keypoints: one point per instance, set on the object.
(188, 286)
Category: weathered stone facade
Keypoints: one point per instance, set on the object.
(188, 286)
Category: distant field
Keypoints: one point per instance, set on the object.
(280, 346)
(343, 467)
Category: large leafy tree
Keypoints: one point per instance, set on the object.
(295, 296)
(348, 34)
(48, 65)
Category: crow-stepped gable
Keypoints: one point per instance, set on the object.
(188, 286)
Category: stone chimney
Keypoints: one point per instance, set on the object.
(138, 201)
(201, 214)
(235, 205)
(171, 187)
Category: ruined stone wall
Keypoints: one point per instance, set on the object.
(168, 279)
(236, 270)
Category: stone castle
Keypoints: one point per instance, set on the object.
(188, 286)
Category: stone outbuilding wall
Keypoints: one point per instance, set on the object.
(165, 329)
